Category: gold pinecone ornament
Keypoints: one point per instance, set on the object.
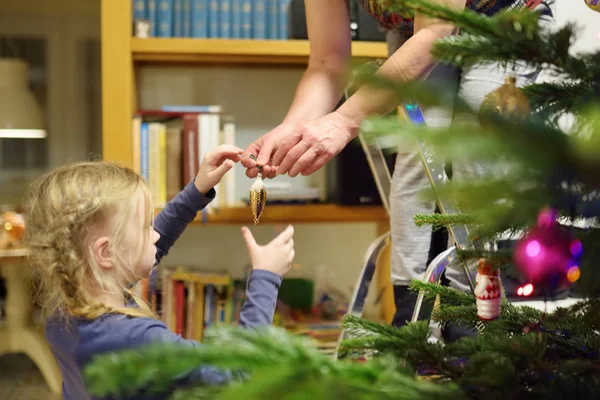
(508, 100)
(258, 197)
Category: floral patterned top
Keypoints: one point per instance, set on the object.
(404, 21)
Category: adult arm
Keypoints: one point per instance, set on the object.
(412, 61)
(321, 85)
(316, 142)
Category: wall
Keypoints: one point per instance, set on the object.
(71, 32)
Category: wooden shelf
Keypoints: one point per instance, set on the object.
(237, 51)
(312, 213)
(14, 255)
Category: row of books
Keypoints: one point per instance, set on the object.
(190, 302)
(224, 19)
(169, 144)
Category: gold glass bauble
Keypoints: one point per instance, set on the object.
(508, 101)
(593, 4)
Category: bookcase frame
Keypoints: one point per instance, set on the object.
(122, 54)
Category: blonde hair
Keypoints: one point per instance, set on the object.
(60, 207)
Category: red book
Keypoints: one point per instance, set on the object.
(180, 308)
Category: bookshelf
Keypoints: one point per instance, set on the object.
(315, 213)
(122, 54)
(238, 51)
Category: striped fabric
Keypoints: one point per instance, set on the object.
(390, 20)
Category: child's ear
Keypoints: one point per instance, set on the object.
(101, 252)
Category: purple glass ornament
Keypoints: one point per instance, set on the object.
(547, 253)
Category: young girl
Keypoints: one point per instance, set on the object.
(91, 235)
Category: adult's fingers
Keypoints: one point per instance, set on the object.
(284, 147)
(316, 164)
(292, 156)
(252, 149)
(266, 150)
(303, 162)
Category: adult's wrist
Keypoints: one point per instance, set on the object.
(351, 121)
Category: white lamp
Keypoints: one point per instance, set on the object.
(20, 114)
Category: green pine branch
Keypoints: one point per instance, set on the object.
(507, 23)
(550, 99)
(441, 220)
(278, 364)
(448, 296)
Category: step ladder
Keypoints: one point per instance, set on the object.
(458, 234)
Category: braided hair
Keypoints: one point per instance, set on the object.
(61, 207)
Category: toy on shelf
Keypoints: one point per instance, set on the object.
(12, 230)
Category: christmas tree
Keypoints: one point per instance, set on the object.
(544, 186)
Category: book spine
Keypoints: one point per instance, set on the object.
(259, 19)
(213, 19)
(273, 19)
(246, 19)
(225, 18)
(164, 17)
(284, 11)
(177, 18)
(200, 18)
(236, 19)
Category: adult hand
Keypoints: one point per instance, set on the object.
(263, 149)
(312, 144)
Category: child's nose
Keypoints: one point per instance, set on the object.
(156, 237)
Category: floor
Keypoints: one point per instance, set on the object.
(21, 380)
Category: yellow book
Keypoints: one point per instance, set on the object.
(198, 329)
(136, 127)
(154, 161)
(162, 166)
(190, 318)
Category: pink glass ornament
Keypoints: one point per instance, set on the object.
(548, 254)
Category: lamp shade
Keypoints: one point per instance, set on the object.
(20, 114)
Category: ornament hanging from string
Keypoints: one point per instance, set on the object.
(258, 196)
(488, 291)
(508, 101)
(549, 255)
(593, 4)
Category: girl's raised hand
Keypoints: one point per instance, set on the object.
(214, 166)
(276, 256)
